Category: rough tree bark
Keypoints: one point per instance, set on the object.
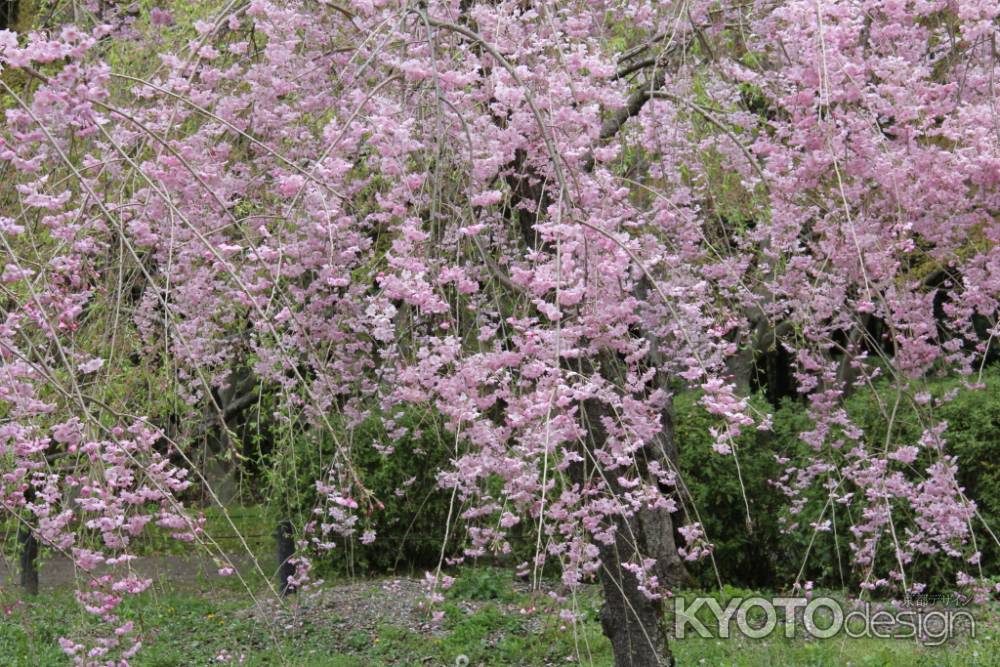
(29, 560)
(8, 14)
(218, 454)
(632, 622)
(658, 525)
(28, 552)
(286, 550)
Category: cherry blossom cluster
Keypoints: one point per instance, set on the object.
(540, 220)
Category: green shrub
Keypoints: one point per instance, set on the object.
(764, 556)
(482, 583)
(973, 436)
(410, 524)
(752, 553)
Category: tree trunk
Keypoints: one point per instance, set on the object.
(286, 550)
(29, 560)
(225, 407)
(631, 621)
(8, 14)
(658, 525)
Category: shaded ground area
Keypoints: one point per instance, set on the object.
(58, 572)
(191, 616)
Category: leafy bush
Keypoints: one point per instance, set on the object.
(760, 554)
(747, 552)
(972, 435)
(482, 583)
(397, 468)
(718, 493)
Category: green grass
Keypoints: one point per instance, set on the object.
(483, 621)
(178, 628)
(835, 653)
(253, 525)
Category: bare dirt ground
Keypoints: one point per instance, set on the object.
(364, 605)
(350, 607)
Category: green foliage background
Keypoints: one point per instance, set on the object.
(411, 522)
(762, 555)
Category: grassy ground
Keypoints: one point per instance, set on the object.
(487, 620)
